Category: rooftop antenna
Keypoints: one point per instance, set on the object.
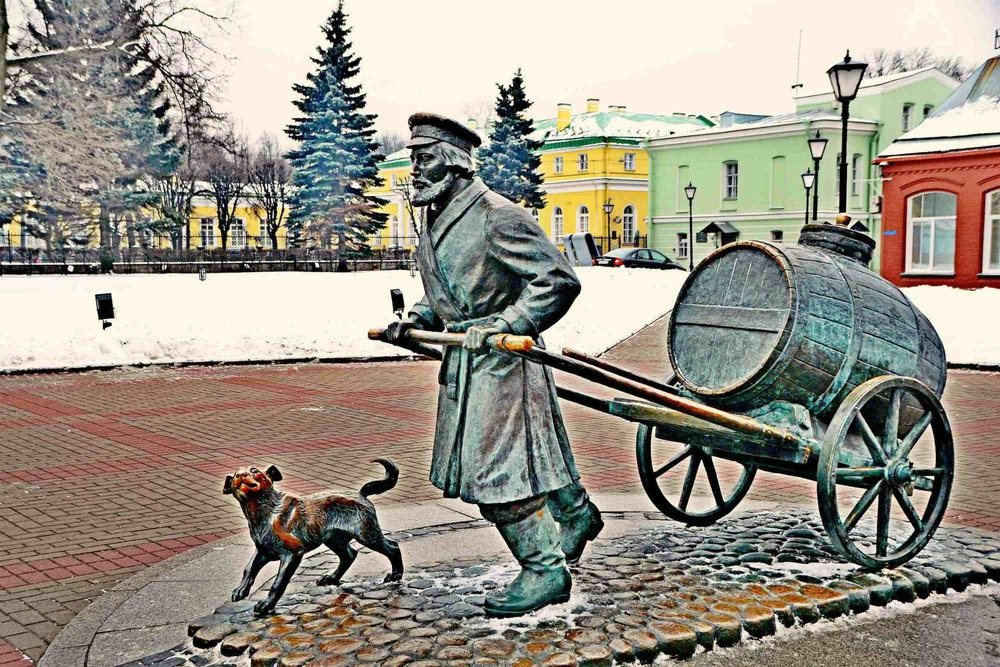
(798, 66)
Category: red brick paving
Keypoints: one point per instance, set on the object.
(109, 472)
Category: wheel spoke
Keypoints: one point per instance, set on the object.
(713, 481)
(911, 438)
(882, 532)
(890, 436)
(692, 473)
(870, 440)
(909, 510)
(673, 462)
(859, 510)
(928, 472)
(859, 474)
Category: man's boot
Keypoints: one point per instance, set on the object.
(579, 519)
(544, 577)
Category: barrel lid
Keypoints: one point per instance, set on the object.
(730, 318)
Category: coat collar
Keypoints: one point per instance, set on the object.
(455, 208)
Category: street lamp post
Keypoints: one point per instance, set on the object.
(817, 147)
(808, 180)
(608, 207)
(689, 192)
(845, 77)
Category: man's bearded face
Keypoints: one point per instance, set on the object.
(431, 177)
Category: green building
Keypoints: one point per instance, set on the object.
(747, 169)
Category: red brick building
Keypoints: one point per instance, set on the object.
(941, 191)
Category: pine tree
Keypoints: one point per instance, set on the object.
(509, 163)
(337, 157)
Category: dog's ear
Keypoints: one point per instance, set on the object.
(273, 473)
(227, 489)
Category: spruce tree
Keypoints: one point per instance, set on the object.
(509, 162)
(337, 157)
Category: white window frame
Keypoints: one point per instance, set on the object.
(583, 162)
(682, 245)
(730, 181)
(628, 224)
(395, 232)
(989, 221)
(557, 164)
(265, 240)
(582, 219)
(534, 215)
(629, 161)
(934, 220)
(394, 179)
(856, 174)
(237, 234)
(557, 224)
(778, 235)
(928, 110)
(207, 240)
(907, 116)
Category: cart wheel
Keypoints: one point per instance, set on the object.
(904, 465)
(657, 479)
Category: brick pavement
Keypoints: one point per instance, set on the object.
(108, 472)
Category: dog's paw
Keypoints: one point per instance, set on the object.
(263, 608)
(328, 580)
(392, 576)
(239, 594)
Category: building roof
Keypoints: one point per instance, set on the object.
(771, 122)
(874, 85)
(619, 125)
(968, 119)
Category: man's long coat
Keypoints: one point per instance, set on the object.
(500, 435)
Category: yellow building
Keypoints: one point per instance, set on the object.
(248, 230)
(399, 231)
(589, 160)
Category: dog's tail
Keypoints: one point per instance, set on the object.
(384, 484)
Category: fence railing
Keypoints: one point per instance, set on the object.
(606, 244)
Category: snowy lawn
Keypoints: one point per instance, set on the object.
(51, 321)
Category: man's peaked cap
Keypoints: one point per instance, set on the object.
(429, 128)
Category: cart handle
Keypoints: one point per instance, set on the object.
(503, 342)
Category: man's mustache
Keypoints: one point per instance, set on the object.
(420, 184)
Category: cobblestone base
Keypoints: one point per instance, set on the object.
(667, 591)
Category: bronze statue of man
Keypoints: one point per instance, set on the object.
(487, 268)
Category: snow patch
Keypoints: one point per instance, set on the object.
(966, 320)
(51, 321)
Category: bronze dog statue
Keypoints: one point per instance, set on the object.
(285, 528)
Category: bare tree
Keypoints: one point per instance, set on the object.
(481, 111)
(882, 62)
(390, 141)
(405, 190)
(224, 171)
(269, 183)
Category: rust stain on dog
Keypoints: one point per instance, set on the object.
(285, 527)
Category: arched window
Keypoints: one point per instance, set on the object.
(394, 232)
(991, 244)
(534, 214)
(582, 220)
(628, 224)
(557, 225)
(930, 233)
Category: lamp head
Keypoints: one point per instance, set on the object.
(845, 77)
(817, 146)
(689, 191)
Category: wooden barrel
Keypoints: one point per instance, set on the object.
(758, 322)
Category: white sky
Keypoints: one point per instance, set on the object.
(655, 56)
(652, 56)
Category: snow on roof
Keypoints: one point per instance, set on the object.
(793, 118)
(619, 124)
(873, 82)
(968, 119)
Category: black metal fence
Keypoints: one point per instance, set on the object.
(253, 256)
(606, 244)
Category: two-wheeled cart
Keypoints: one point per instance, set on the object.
(793, 359)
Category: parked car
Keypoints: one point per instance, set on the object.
(643, 258)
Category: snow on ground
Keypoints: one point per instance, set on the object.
(966, 320)
(51, 321)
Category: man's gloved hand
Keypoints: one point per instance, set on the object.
(395, 333)
(476, 337)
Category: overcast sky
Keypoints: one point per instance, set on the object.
(655, 56)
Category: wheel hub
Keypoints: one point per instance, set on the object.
(899, 473)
